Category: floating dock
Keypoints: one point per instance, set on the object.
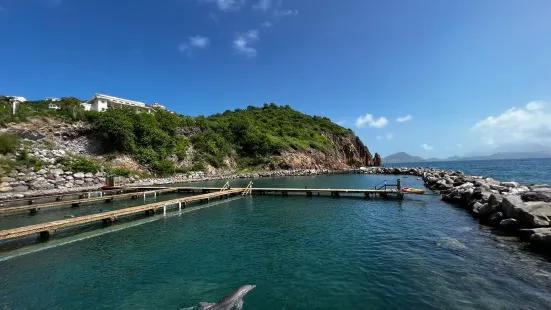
(45, 230)
(34, 208)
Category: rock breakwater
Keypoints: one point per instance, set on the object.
(508, 206)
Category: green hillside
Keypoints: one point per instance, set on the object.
(250, 136)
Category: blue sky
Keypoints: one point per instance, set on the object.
(471, 75)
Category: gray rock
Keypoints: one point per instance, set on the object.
(20, 188)
(88, 180)
(499, 187)
(56, 171)
(529, 214)
(68, 173)
(475, 207)
(541, 238)
(99, 174)
(495, 218)
(78, 182)
(42, 171)
(509, 184)
(7, 179)
(537, 196)
(78, 175)
(6, 189)
(89, 175)
(508, 223)
(69, 185)
(69, 177)
(510, 203)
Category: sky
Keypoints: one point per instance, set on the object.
(432, 78)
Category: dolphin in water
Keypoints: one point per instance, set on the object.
(233, 300)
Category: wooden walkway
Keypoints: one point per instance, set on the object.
(47, 229)
(33, 208)
(307, 191)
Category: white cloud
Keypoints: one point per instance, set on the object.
(196, 42)
(371, 121)
(227, 5)
(263, 5)
(199, 42)
(427, 147)
(529, 124)
(286, 13)
(406, 118)
(266, 24)
(242, 43)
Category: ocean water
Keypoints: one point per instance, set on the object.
(525, 171)
(301, 252)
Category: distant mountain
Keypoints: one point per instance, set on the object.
(509, 155)
(402, 157)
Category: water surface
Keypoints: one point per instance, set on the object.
(301, 252)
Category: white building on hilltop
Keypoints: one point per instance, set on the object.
(158, 106)
(102, 102)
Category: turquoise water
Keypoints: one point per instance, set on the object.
(301, 252)
(526, 171)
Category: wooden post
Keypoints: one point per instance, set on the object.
(398, 185)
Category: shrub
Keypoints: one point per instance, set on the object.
(8, 143)
(81, 164)
(24, 159)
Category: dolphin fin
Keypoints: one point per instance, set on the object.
(239, 304)
(206, 305)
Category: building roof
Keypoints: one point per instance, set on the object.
(119, 100)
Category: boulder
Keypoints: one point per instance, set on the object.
(442, 185)
(529, 214)
(509, 204)
(56, 171)
(21, 188)
(508, 223)
(7, 179)
(89, 175)
(78, 182)
(541, 239)
(498, 187)
(69, 185)
(5, 189)
(476, 206)
(537, 196)
(509, 184)
(78, 175)
(495, 218)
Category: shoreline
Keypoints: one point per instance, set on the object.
(510, 207)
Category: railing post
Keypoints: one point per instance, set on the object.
(398, 185)
(180, 206)
(164, 210)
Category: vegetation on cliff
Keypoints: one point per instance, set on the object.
(161, 141)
